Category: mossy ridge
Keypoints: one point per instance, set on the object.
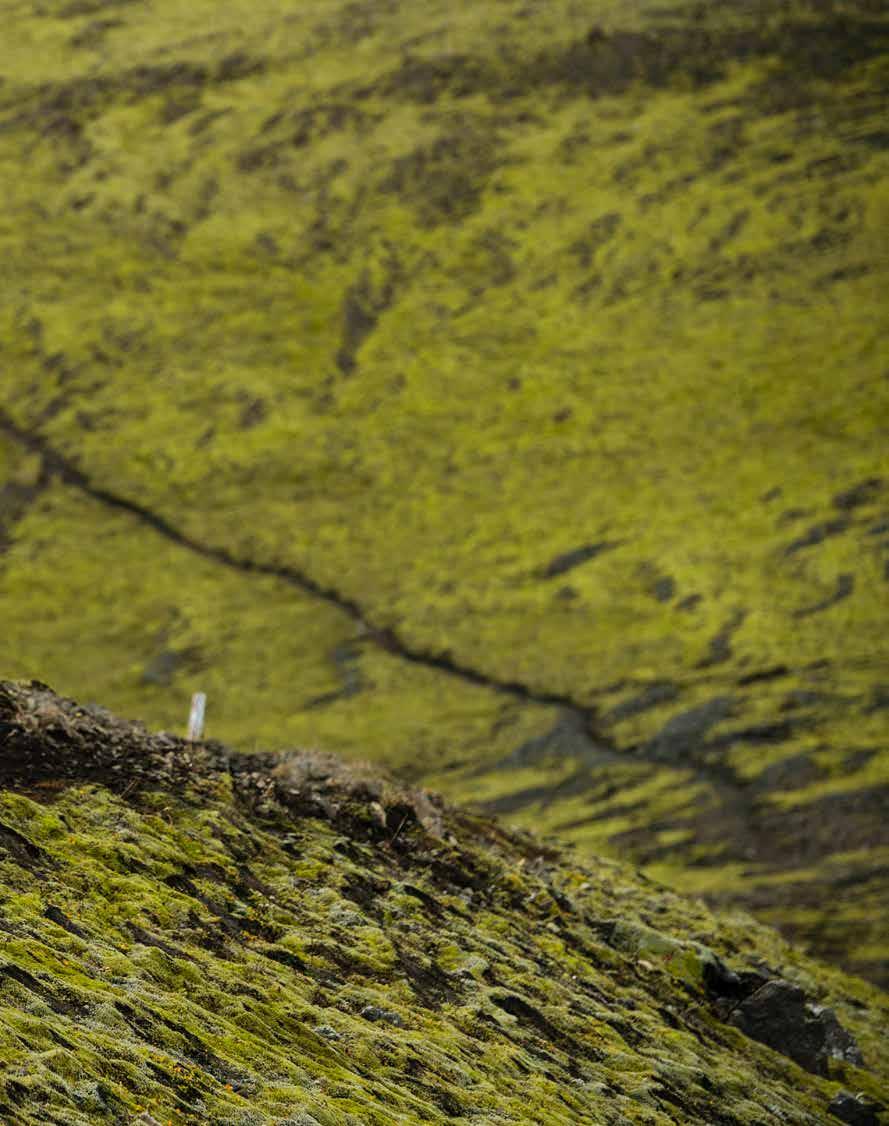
(204, 945)
(766, 181)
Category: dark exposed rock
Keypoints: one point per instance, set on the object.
(855, 1109)
(375, 1014)
(779, 1015)
(727, 988)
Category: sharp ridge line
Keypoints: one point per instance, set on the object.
(385, 637)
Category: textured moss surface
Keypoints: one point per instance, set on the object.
(193, 935)
(551, 339)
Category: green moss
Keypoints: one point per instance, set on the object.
(296, 965)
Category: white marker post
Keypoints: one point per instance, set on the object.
(196, 716)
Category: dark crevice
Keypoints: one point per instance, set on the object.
(385, 637)
(363, 305)
(571, 559)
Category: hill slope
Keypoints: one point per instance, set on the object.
(196, 935)
(495, 390)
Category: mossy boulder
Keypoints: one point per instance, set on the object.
(194, 934)
(497, 391)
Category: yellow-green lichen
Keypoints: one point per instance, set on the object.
(252, 961)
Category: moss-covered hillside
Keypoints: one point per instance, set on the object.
(493, 389)
(193, 935)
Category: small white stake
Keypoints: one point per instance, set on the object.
(196, 716)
